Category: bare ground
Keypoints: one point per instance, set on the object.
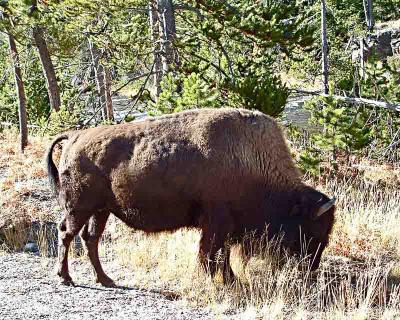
(29, 289)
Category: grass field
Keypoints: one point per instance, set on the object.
(359, 277)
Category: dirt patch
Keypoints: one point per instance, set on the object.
(29, 290)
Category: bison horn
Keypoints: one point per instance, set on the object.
(325, 207)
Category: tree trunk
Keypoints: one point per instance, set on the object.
(47, 65)
(103, 83)
(167, 31)
(98, 71)
(163, 31)
(23, 126)
(369, 15)
(108, 98)
(48, 68)
(155, 38)
(324, 40)
(362, 59)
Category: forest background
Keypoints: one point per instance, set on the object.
(75, 58)
(74, 64)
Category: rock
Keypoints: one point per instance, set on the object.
(31, 247)
(383, 43)
(45, 235)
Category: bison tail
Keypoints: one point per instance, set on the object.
(52, 170)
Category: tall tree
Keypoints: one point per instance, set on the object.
(369, 14)
(167, 31)
(108, 98)
(324, 40)
(48, 68)
(19, 85)
(163, 33)
(103, 82)
(45, 59)
(154, 21)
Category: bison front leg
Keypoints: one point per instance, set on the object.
(69, 227)
(91, 234)
(214, 250)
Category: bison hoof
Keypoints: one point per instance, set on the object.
(106, 282)
(67, 282)
(65, 279)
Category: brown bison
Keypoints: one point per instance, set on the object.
(224, 171)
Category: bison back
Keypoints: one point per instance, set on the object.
(161, 173)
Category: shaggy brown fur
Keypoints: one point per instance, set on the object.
(225, 171)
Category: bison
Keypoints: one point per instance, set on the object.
(224, 171)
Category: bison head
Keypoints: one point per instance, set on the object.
(308, 224)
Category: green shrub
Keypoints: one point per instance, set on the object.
(37, 101)
(194, 93)
(267, 94)
(60, 121)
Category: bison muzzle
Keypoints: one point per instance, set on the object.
(223, 171)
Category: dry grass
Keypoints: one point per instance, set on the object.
(358, 279)
(21, 167)
(24, 195)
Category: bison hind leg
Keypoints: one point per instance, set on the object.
(69, 227)
(91, 234)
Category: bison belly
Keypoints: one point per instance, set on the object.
(156, 214)
(160, 192)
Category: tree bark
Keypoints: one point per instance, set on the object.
(167, 31)
(324, 40)
(356, 101)
(155, 38)
(47, 65)
(369, 15)
(103, 83)
(108, 97)
(362, 58)
(23, 125)
(48, 68)
(163, 32)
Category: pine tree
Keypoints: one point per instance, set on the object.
(19, 85)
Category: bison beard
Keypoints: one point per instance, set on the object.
(224, 171)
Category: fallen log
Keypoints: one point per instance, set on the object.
(357, 101)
